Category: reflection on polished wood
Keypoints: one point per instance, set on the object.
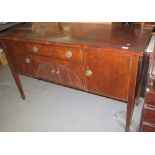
(101, 58)
(83, 34)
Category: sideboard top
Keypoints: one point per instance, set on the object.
(114, 35)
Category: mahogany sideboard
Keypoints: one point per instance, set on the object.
(98, 58)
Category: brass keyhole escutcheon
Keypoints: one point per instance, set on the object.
(88, 73)
(57, 72)
(69, 54)
(35, 49)
(27, 60)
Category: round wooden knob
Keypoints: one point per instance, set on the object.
(27, 60)
(69, 54)
(88, 73)
(35, 49)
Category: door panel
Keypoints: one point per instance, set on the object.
(62, 72)
(22, 61)
(110, 73)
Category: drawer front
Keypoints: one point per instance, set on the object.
(67, 53)
(149, 114)
(61, 72)
(64, 53)
(39, 49)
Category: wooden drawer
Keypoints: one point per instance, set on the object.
(64, 53)
(39, 49)
(149, 114)
(61, 72)
(67, 53)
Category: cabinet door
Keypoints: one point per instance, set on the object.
(107, 73)
(21, 60)
(59, 71)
